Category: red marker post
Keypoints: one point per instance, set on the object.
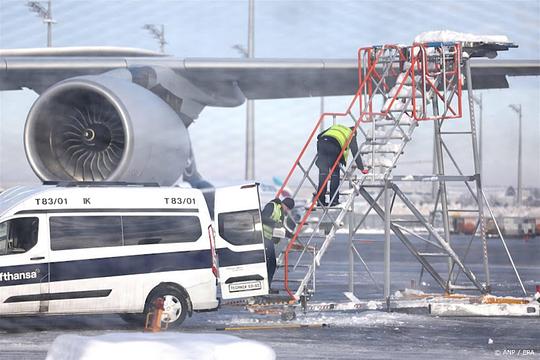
(154, 318)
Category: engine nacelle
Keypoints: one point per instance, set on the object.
(105, 128)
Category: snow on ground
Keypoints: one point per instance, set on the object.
(450, 36)
(366, 319)
(161, 346)
(408, 293)
(454, 310)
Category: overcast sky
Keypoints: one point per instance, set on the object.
(288, 29)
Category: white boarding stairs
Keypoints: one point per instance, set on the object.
(386, 134)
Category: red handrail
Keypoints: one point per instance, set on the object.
(317, 125)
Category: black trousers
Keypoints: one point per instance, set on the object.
(270, 250)
(328, 150)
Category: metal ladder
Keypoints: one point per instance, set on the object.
(396, 86)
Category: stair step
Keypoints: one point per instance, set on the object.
(375, 143)
(433, 254)
(377, 133)
(295, 249)
(431, 65)
(387, 148)
(380, 152)
(385, 138)
(381, 166)
(292, 266)
(405, 92)
(399, 105)
(407, 80)
(400, 221)
(404, 119)
(329, 207)
(298, 281)
(380, 160)
(385, 123)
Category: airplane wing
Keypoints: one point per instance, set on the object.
(113, 113)
(38, 69)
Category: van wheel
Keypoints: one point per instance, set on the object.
(174, 304)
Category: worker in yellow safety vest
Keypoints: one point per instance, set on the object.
(329, 145)
(273, 216)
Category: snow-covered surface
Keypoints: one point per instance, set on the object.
(408, 293)
(453, 36)
(360, 335)
(161, 346)
(332, 319)
(485, 310)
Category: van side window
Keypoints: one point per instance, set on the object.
(143, 230)
(18, 235)
(241, 227)
(81, 232)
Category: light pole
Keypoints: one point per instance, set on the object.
(479, 101)
(322, 124)
(517, 109)
(45, 14)
(250, 106)
(157, 34)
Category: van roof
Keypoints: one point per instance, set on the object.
(15, 195)
(50, 198)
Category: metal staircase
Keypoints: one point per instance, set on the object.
(399, 86)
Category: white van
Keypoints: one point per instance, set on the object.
(80, 249)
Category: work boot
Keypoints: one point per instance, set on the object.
(335, 202)
(321, 201)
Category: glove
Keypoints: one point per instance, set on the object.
(365, 171)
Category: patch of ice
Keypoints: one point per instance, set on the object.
(365, 319)
(450, 36)
(408, 291)
(162, 346)
(372, 305)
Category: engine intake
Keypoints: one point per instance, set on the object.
(105, 128)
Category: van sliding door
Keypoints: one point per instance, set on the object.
(239, 242)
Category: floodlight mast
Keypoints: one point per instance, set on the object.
(45, 14)
(517, 110)
(157, 34)
(250, 108)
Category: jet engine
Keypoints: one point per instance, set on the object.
(105, 128)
